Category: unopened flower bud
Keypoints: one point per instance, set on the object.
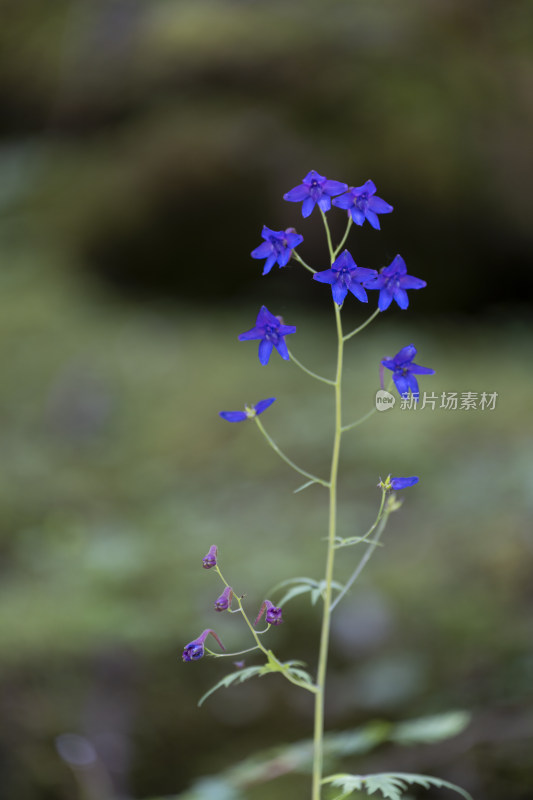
(195, 649)
(272, 615)
(223, 602)
(210, 560)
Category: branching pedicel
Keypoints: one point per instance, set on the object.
(344, 277)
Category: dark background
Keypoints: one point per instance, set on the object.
(142, 147)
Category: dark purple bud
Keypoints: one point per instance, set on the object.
(223, 602)
(210, 560)
(195, 650)
(272, 616)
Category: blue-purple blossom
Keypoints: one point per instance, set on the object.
(272, 615)
(393, 282)
(223, 602)
(249, 411)
(210, 560)
(345, 276)
(362, 203)
(404, 371)
(271, 331)
(315, 189)
(195, 650)
(403, 483)
(277, 247)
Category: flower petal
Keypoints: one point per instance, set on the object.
(357, 290)
(254, 333)
(233, 416)
(307, 206)
(403, 483)
(325, 202)
(339, 292)
(373, 219)
(281, 347)
(357, 216)
(407, 353)
(379, 206)
(263, 251)
(401, 383)
(297, 194)
(417, 370)
(334, 187)
(410, 282)
(262, 405)
(265, 317)
(385, 299)
(401, 298)
(284, 330)
(397, 265)
(344, 200)
(265, 349)
(326, 276)
(269, 263)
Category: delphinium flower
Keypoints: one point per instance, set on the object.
(315, 189)
(393, 282)
(272, 615)
(210, 560)
(345, 276)
(404, 370)
(271, 331)
(277, 247)
(362, 203)
(223, 602)
(396, 484)
(249, 411)
(195, 649)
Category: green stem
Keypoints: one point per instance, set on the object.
(308, 371)
(359, 539)
(328, 237)
(230, 655)
(359, 421)
(361, 327)
(302, 262)
(362, 564)
(287, 460)
(330, 562)
(346, 232)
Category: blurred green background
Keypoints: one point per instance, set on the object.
(142, 147)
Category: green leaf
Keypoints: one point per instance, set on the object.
(236, 677)
(294, 592)
(392, 785)
(428, 730)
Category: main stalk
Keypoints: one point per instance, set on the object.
(330, 563)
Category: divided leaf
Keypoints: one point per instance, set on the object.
(391, 785)
(235, 677)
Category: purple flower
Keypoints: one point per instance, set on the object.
(392, 282)
(249, 411)
(277, 247)
(345, 276)
(273, 614)
(223, 602)
(404, 370)
(403, 483)
(361, 203)
(270, 330)
(195, 650)
(315, 189)
(210, 560)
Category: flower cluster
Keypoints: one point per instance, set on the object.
(195, 650)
